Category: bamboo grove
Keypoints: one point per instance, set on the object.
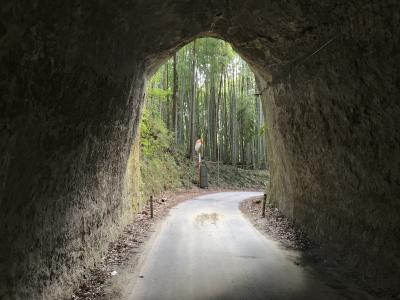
(207, 91)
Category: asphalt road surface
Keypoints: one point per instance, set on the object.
(207, 249)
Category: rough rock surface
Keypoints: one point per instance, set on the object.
(72, 82)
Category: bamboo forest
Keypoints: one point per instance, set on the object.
(206, 91)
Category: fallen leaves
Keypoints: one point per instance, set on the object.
(275, 224)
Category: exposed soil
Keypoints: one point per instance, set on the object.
(275, 224)
(123, 254)
(231, 177)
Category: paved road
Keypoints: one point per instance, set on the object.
(206, 249)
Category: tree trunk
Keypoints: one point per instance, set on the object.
(175, 100)
(192, 138)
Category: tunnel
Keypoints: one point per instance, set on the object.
(72, 81)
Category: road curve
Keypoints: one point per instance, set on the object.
(207, 249)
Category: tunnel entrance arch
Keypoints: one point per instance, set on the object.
(209, 66)
(206, 92)
(73, 80)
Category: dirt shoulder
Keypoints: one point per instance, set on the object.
(112, 278)
(275, 224)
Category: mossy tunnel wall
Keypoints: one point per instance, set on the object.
(72, 86)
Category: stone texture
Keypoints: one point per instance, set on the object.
(72, 83)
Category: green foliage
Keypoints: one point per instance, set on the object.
(262, 131)
(162, 166)
(159, 93)
(155, 139)
(246, 121)
(220, 86)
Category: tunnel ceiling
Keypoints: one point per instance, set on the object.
(268, 34)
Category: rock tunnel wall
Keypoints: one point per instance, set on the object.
(72, 82)
(69, 112)
(333, 124)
